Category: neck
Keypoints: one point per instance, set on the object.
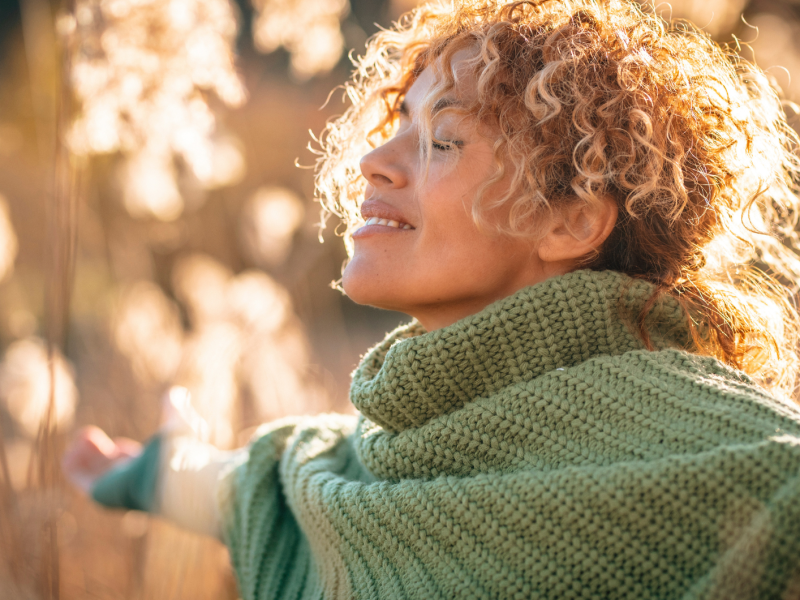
(439, 315)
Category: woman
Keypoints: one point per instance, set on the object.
(590, 398)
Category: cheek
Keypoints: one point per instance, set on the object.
(457, 250)
(445, 205)
(447, 220)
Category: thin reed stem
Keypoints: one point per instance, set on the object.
(62, 229)
(9, 516)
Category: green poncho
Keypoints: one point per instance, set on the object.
(533, 450)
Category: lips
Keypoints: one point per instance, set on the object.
(378, 213)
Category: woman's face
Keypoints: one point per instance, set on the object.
(420, 252)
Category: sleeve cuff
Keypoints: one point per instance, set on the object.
(131, 485)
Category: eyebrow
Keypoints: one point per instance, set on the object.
(440, 105)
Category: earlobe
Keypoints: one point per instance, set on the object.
(578, 230)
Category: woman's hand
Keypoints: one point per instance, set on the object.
(92, 453)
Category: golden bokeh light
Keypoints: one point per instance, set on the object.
(147, 330)
(244, 345)
(269, 220)
(25, 386)
(8, 241)
(141, 71)
(713, 16)
(308, 29)
(201, 283)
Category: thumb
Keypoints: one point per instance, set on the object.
(180, 417)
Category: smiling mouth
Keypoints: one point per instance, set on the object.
(388, 223)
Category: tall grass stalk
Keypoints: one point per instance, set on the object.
(62, 242)
(9, 517)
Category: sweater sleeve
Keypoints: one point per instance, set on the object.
(177, 474)
(303, 520)
(132, 484)
(266, 534)
(176, 478)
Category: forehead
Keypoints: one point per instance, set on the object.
(431, 84)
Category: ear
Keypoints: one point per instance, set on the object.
(578, 230)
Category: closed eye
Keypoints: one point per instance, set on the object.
(445, 145)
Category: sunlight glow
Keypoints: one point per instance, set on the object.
(8, 241)
(269, 221)
(141, 72)
(25, 386)
(147, 330)
(244, 339)
(713, 16)
(308, 29)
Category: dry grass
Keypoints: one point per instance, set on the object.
(136, 302)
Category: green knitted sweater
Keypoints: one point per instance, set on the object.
(533, 450)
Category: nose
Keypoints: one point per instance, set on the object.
(383, 167)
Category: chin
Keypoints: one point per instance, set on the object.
(363, 285)
(359, 284)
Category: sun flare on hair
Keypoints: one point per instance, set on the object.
(600, 100)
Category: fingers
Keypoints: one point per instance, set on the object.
(90, 447)
(84, 455)
(92, 453)
(127, 448)
(95, 440)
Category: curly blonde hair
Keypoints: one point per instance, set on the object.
(599, 99)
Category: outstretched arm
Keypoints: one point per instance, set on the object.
(175, 475)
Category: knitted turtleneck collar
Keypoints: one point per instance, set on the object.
(481, 470)
(414, 375)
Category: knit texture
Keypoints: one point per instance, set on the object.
(533, 450)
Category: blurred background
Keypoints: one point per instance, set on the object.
(171, 238)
